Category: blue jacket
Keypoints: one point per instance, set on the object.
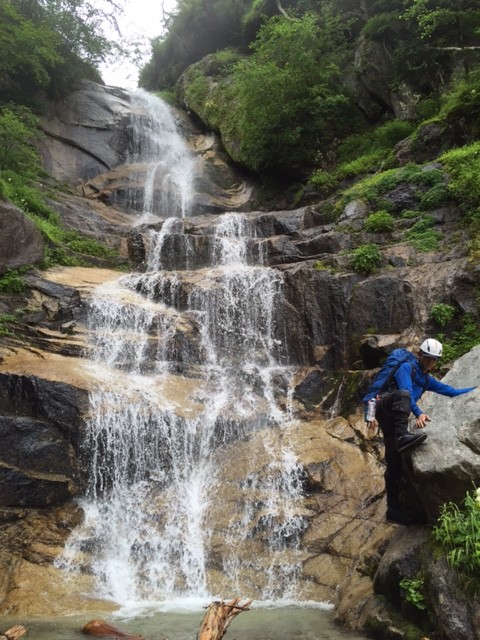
(416, 382)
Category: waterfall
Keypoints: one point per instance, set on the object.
(194, 388)
(166, 168)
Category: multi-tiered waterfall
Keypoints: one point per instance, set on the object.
(193, 358)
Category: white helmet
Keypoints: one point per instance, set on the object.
(431, 348)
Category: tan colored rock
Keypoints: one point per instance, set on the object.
(45, 592)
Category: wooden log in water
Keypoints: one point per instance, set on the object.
(219, 615)
(14, 632)
(100, 628)
(213, 627)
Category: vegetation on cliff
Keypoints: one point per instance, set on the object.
(48, 44)
(307, 69)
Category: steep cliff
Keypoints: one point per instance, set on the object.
(340, 318)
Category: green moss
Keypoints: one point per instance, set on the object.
(463, 165)
(422, 236)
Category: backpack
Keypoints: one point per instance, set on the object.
(384, 377)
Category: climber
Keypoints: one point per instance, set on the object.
(403, 386)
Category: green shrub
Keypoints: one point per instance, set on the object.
(462, 340)
(442, 314)
(373, 188)
(410, 213)
(380, 221)
(288, 105)
(322, 266)
(377, 140)
(427, 108)
(422, 236)
(463, 165)
(463, 104)
(89, 247)
(435, 197)
(458, 532)
(366, 258)
(17, 130)
(12, 282)
(323, 181)
(3, 189)
(414, 589)
(5, 322)
(363, 164)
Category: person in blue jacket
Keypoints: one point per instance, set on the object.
(393, 409)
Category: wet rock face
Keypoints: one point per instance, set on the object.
(85, 134)
(88, 143)
(39, 428)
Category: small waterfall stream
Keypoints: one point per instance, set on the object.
(193, 491)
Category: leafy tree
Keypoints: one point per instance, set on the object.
(29, 50)
(288, 96)
(448, 25)
(46, 44)
(199, 27)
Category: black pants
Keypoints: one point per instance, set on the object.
(392, 414)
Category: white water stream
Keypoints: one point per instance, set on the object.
(191, 362)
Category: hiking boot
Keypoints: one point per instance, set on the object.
(410, 440)
(396, 515)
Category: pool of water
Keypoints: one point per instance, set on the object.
(259, 623)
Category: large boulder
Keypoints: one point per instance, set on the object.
(447, 466)
(21, 243)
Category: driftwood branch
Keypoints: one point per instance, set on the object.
(469, 48)
(213, 627)
(219, 615)
(13, 633)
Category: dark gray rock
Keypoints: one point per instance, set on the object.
(447, 466)
(85, 133)
(35, 445)
(384, 302)
(21, 243)
(456, 611)
(401, 560)
(403, 197)
(40, 428)
(60, 404)
(25, 489)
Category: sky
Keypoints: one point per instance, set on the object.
(142, 20)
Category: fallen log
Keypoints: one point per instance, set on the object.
(213, 627)
(14, 632)
(100, 628)
(219, 615)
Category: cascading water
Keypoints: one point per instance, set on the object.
(191, 369)
(164, 183)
